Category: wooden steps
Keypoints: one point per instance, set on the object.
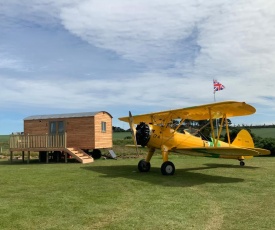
(80, 155)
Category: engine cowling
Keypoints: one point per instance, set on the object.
(142, 134)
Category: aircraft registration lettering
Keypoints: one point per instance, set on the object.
(156, 136)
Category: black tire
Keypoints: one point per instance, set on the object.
(242, 163)
(144, 166)
(96, 154)
(168, 168)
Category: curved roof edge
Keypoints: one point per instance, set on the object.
(65, 115)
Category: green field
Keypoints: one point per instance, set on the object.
(264, 132)
(204, 193)
(121, 135)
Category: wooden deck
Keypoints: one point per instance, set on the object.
(45, 143)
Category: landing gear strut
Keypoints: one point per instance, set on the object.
(144, 166)
(167, 168)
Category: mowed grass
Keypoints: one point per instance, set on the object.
(204, 193)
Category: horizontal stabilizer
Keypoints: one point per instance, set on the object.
(261, 151)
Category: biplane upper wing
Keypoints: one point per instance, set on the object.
(201, 112)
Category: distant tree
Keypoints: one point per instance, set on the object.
(265, 143)
(228, 122)
(118, 129)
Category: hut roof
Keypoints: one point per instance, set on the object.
(65, 115)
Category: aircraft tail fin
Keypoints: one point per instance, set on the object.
(243, 139)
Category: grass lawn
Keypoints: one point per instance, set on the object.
(204, 193)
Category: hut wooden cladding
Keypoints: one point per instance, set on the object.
(92, 130)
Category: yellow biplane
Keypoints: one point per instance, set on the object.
(156, 131)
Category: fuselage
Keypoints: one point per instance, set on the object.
(176, 142)
(172, 139)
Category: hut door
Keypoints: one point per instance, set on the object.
(57, 133)
(57, 127)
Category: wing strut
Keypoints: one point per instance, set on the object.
(182, 120)
(212, 127)
(220, 129)
(227, 132)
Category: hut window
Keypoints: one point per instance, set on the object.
(60, 127)
(103, 126)
(52, 127)
(56, 127)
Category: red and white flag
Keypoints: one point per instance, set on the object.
(218, 86)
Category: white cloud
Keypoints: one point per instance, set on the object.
(236, 39)
(179, 45)
(80, 94)
(138, 30)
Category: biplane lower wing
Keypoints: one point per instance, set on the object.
(219, 151)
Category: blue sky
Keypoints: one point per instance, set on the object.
(144, 56)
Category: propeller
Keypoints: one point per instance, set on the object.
(133, 130)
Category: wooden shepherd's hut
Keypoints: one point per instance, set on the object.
(81, 135)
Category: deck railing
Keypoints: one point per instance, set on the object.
(37, 141)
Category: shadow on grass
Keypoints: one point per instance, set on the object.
(34, 161)
(183, 177)
(230, 166)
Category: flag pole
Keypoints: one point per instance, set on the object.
(217, 87)
(216, 118)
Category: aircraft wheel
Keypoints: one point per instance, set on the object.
(167, 168)
(242, 163)
(144, 166)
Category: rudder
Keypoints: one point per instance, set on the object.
(243, 139)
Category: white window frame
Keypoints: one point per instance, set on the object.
(103, 126)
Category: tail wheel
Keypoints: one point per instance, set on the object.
(144, 166)
(242, 163)
(167, 168)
